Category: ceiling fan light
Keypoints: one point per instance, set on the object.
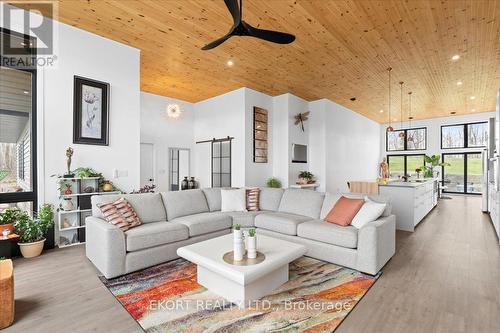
(173, 110)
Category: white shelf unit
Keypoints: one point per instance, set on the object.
(71, 222)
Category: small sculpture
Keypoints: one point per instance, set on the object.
(69, 154)
(384, 169)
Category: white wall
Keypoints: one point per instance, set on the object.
(434, 132)
(296, 105)
(280, 139)
(317, 142)
(88, 55)
(219, 117)
(165, 132)
(345, 146)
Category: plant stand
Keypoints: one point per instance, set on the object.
(71, 222)
(6, 293)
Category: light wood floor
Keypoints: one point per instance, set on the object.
(445, 277)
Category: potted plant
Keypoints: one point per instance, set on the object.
(305, 177)
(31, 231)
(7, 219)
(431, 162)
(251, 244)
(273, 182)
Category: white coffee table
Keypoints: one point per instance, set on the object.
(242, 284)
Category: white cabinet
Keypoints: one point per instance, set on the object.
(411, 202)
(494, 207)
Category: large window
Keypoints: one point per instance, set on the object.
(407, 139)
(401, 165)
(471, 135)
(17, 130)
(464, 173)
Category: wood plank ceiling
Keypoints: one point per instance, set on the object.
(342, 50)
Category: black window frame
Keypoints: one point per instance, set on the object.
(465, 153)
(29, 196)
(405, 148)
(466, 135)
(213, 174)
(405, 163)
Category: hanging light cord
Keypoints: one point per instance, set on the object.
(401, 99)
(389, 70)
(409, 110)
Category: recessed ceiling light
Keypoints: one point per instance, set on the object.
(230, 63)
(459, 83)
(473, 110)
(395, 119)
(473, 97)
(381, 111)
(26, 92)
(455, 57)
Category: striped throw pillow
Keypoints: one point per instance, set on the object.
(253, 199)
(120, 213)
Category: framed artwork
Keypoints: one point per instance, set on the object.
(90, 112)
(259, 135)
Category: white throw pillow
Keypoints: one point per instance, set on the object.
(234, 200)
(369, 212)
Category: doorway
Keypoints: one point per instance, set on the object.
(464, 175)
(147, 164)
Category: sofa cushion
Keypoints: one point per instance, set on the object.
(213, 197)
(233, 200)
(302, 202)
(270, 198)
(120, 213)
(344, 211)
(148, 206)
(182, 203)
(284, 223)
(154, 234)
(370, 212)
(330, 233)
(331, 199)
(245, 219)
(203, 223)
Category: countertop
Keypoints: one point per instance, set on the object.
(411, 184)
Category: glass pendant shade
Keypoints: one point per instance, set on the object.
(390, 129)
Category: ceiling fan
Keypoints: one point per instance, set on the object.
(241, 28)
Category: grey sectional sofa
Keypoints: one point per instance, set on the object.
(175, 219)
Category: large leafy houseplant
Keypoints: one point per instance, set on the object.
(31, 231)
(431, 162)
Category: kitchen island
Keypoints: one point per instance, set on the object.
(411, 201)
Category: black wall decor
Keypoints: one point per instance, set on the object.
(90, 112)
(259, 135)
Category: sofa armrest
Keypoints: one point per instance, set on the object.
(105, 246)
(376, 244)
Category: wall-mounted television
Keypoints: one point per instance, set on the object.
(299, 153)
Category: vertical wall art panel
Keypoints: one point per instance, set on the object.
(260, 145)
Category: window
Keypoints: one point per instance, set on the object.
(400, 165)
(471, 135)
(464, 174)
(221, 163)
(413, 139)
(20, 160)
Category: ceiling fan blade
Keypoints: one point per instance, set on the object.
(216, 42)
(269, 35)
(232, 5)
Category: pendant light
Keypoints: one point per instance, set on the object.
(402, 133)
(410, 137)
(389, 129)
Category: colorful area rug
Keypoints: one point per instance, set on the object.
(166, 298)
